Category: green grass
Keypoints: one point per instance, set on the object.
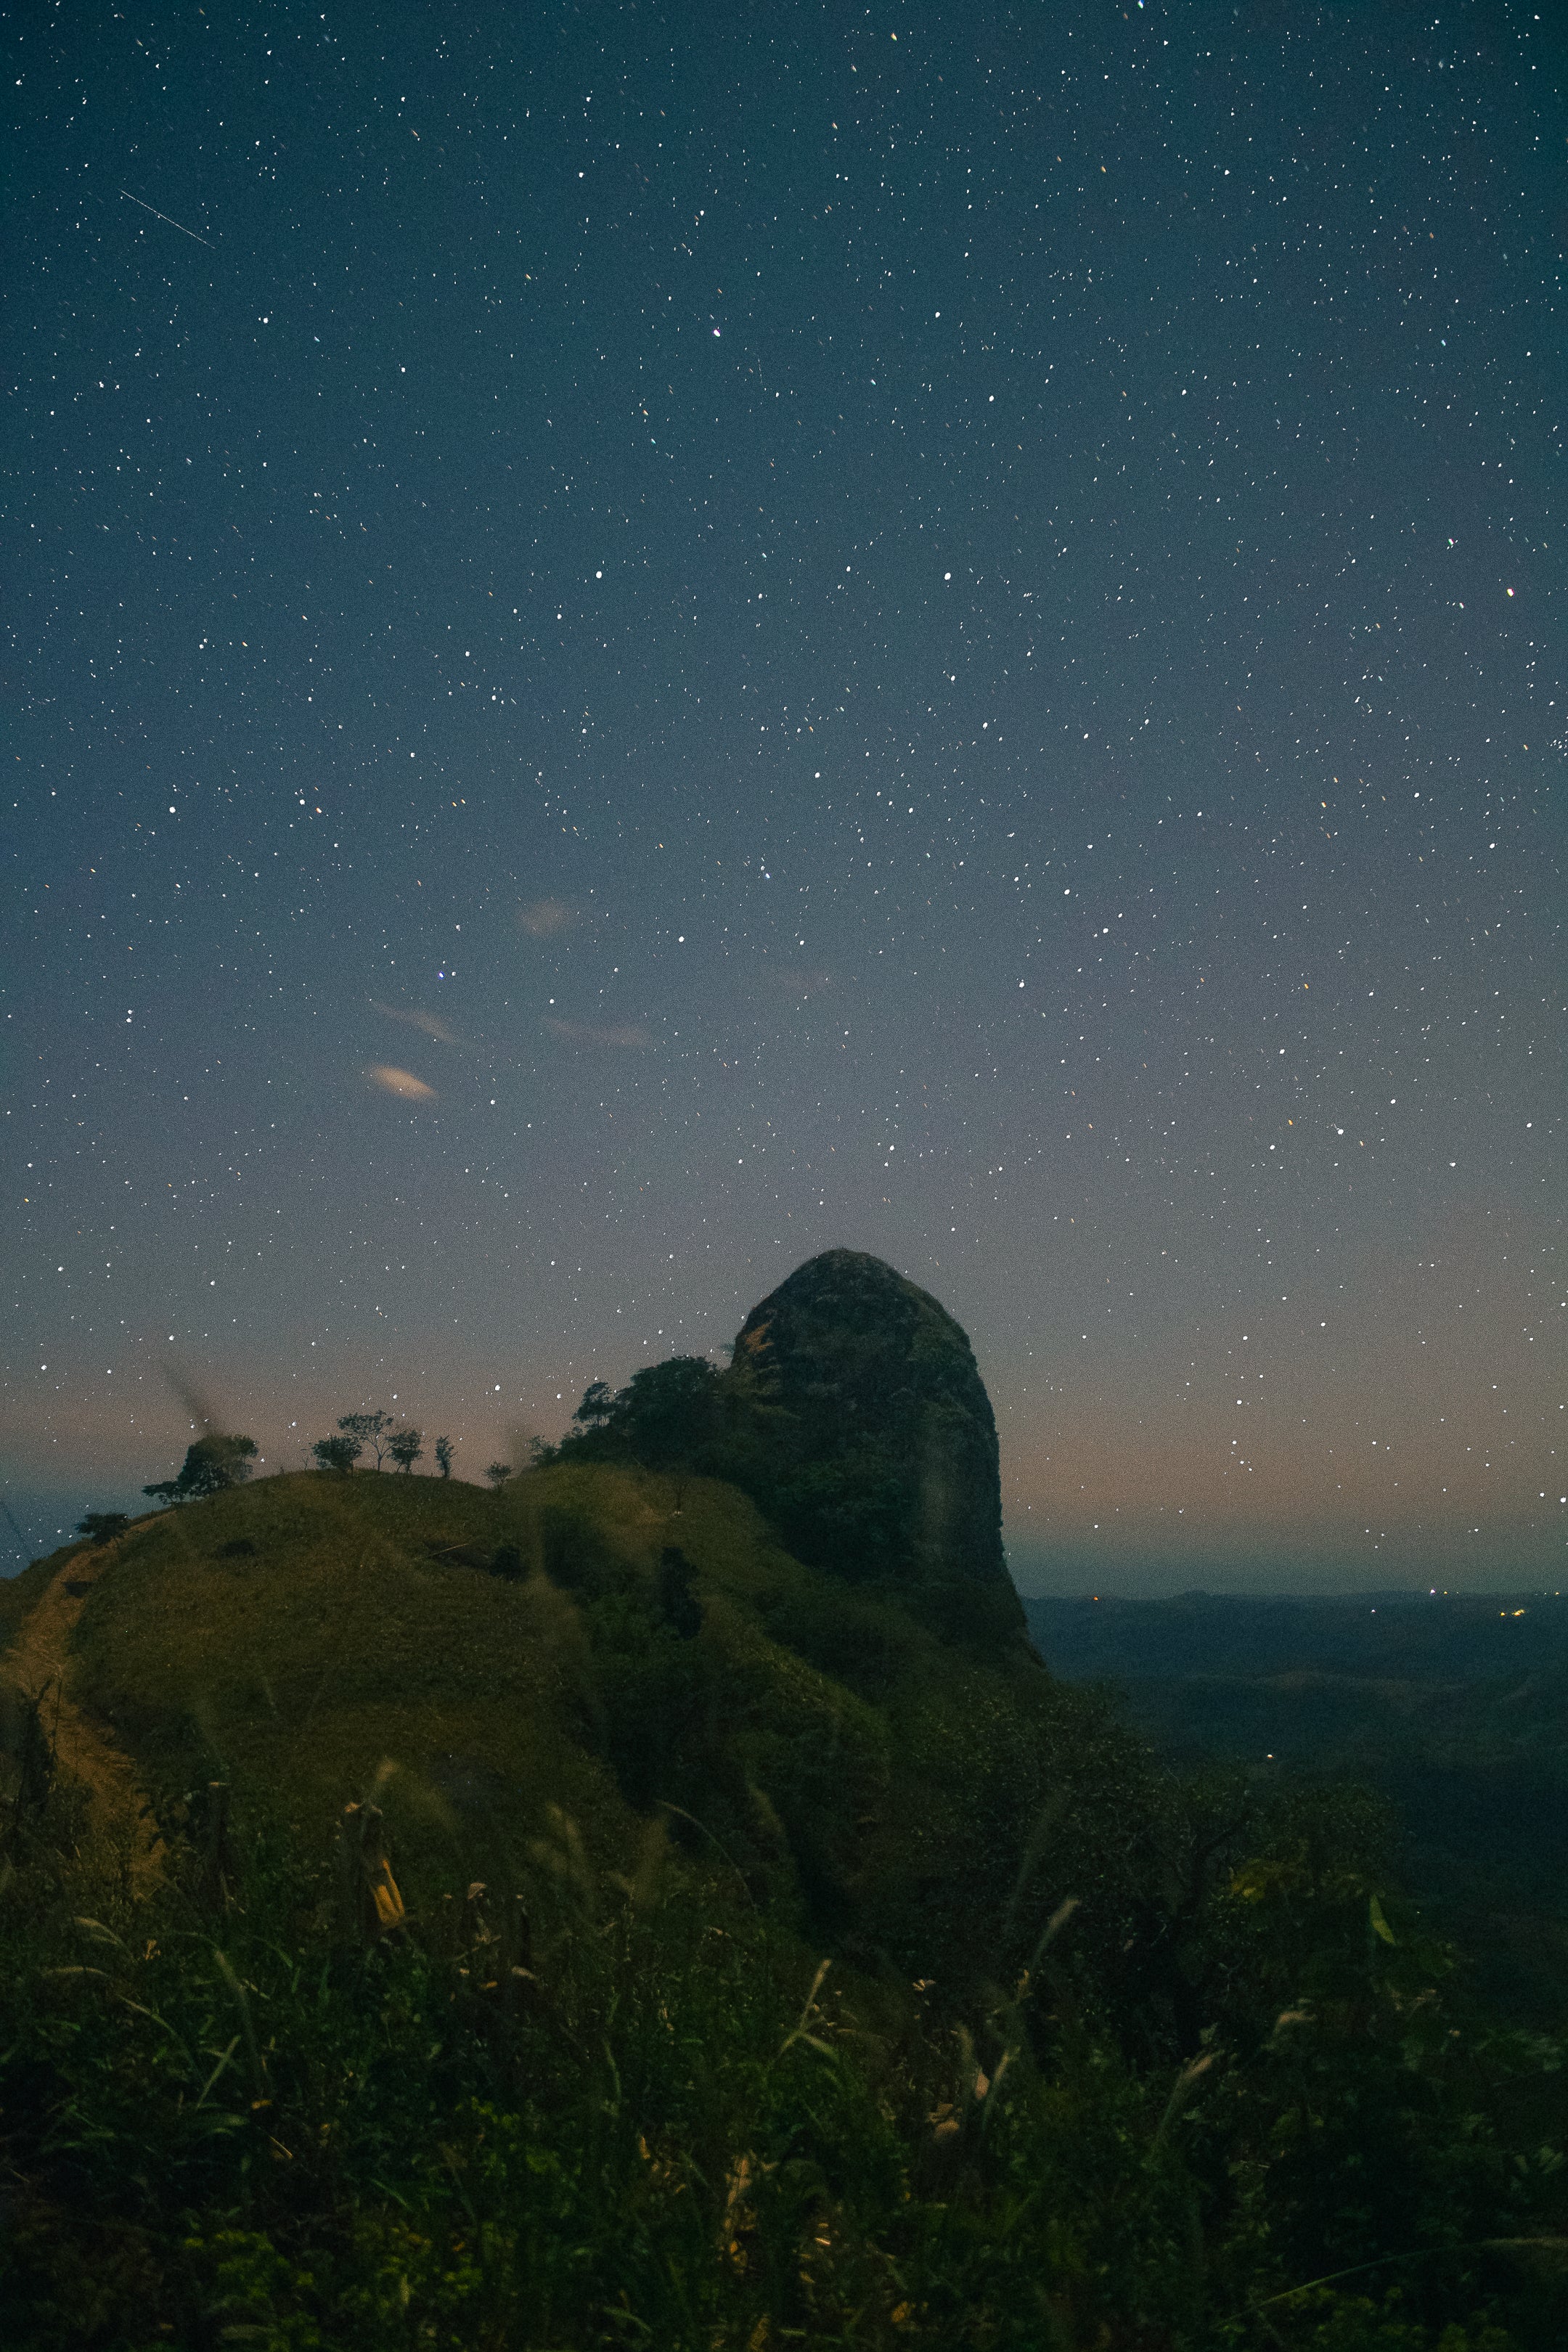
(18, 1594)
(1100, 2057)
(299, 1635)
(228, 2120)
(304, 1636)
(339, 1642)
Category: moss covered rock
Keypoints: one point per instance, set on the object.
(861, 1424)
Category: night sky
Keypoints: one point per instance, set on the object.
(645, 640)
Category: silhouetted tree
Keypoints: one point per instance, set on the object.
(405, 1447)
(337, 1453)
(210, 1465)
(444, 1456)
(214, 1463)
(598, 1406)
(103, 1526)
(665, 1415)
(498, 1473)
(671, 1410)
(371, 1428)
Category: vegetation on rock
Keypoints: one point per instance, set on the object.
(854, 1415)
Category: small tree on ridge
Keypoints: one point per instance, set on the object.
(103, 1526)
(337, 1454)
(370, 1429)
(210, 1465)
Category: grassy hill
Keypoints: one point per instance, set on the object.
(481, 1659)
(780, 1960)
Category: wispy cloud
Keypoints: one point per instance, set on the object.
(796, 982)
(582, 1033)
(544, 919)
(430, 1022)
(400, 1083)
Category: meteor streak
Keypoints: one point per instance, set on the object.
(164, 216)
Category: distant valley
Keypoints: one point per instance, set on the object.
(1454, 1707)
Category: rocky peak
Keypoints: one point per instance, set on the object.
(868, 1407)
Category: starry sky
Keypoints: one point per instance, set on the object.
(642, 640)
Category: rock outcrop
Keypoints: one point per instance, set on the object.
(860, 1422)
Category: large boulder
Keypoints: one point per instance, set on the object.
(861, 1424)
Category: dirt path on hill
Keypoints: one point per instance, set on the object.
(40, 1655)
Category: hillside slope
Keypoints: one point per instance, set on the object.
(765, 1968)
(579, 1645)
(40, 1681)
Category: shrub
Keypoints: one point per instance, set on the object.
(337, 1454)
(103, 1527)
(212, 1464)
